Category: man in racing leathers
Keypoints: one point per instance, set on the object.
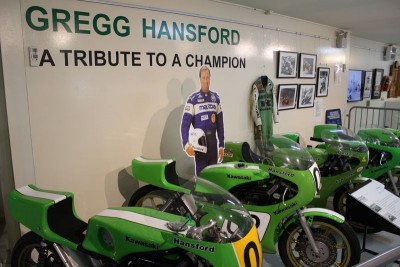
(203, 110)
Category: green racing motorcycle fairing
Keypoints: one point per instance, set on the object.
(214, 228)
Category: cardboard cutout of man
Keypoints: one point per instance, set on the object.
(203, 111)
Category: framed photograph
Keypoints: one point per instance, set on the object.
(355, 85)
(377, 77)
(306, 95)
(287, 96)
(287, 65)
(322, 81)
(307, 65)
(367, 84)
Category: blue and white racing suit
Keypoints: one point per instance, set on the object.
(204, 111)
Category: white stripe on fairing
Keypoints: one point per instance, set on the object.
(322, 210)
(27, 191)
(168, 161)
(264, 218)
(137, 218)
(229, 165)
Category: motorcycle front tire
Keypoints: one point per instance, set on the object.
(337, 243)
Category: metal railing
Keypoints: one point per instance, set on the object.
(372, 117)
(382, 259)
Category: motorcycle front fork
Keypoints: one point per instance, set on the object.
(307, 230)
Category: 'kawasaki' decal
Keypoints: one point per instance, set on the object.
(230, 176)
(141, 243)
(345, 177)
(285, 208)
(197, 246)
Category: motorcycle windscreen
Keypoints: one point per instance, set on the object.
(283, 152)
(379, 136)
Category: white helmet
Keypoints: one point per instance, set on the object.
(197, 140)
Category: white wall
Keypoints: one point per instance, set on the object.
(76, 128)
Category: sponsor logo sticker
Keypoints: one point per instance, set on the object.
(213, 118)
(191, 245)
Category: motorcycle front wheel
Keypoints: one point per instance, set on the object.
(26, 252)
(337, 244)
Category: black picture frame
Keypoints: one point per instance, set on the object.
(367, 84)
(322, 81)
(287, 64)
(355, 84)
(377, 77)
(306, 96)
(307, 66)
(287, 96)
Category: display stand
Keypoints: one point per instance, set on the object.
(364, 242)
(372, 205)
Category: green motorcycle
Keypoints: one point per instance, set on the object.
(384, 154)
(211, 229)
(384, 149)
(275, 191)
(340, 158)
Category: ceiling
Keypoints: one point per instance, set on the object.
(377, 20)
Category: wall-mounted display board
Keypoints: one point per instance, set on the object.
(104, 82)
(333, 116)
(355, 85)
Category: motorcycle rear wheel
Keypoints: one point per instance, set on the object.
(26, 252)
(337, 243)
(142, 194)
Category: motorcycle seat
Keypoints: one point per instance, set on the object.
(156, 171)
(63, 222)
(50, 214)
(248, 155)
